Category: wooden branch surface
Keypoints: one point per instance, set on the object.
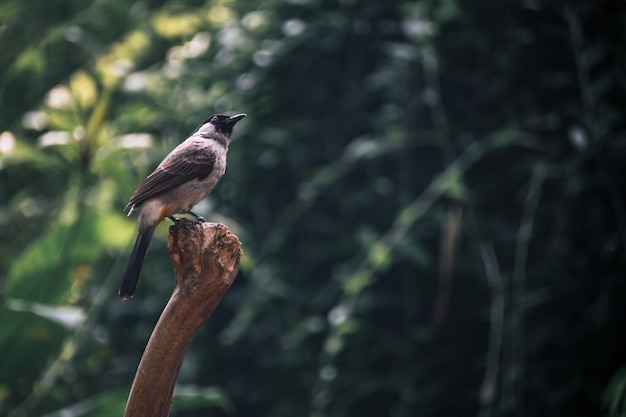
(206, 261)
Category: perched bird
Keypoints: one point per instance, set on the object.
(180, 181)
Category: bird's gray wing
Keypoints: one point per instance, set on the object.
(186, 162)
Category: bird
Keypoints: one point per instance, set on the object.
(184, 177)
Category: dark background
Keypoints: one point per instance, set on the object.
(429, 194)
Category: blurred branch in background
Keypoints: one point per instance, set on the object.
(378, 258)
(518, 302)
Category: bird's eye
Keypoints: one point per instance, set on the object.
(214, 119)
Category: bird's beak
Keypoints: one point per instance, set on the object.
(234, 119)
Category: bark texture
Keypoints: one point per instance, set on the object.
(206, 261)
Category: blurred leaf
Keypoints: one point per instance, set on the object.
(62, 258)
(614, 397)
(68, 317)
(30, 59)
(175, 26)
(84, 89)
(31, 336)
(111, 403)
(358, 281)
(24, 153)
(190, 397)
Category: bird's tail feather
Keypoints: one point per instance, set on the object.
(131, 278)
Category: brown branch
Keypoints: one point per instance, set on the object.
(450, 236)
(206, 261)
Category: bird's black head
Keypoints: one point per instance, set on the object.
(222, 123)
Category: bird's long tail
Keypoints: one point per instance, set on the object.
(131, 278)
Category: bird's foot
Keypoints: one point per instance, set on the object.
(198, 219)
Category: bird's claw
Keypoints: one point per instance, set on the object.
(198, 219)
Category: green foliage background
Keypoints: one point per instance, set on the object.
(430, 196)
